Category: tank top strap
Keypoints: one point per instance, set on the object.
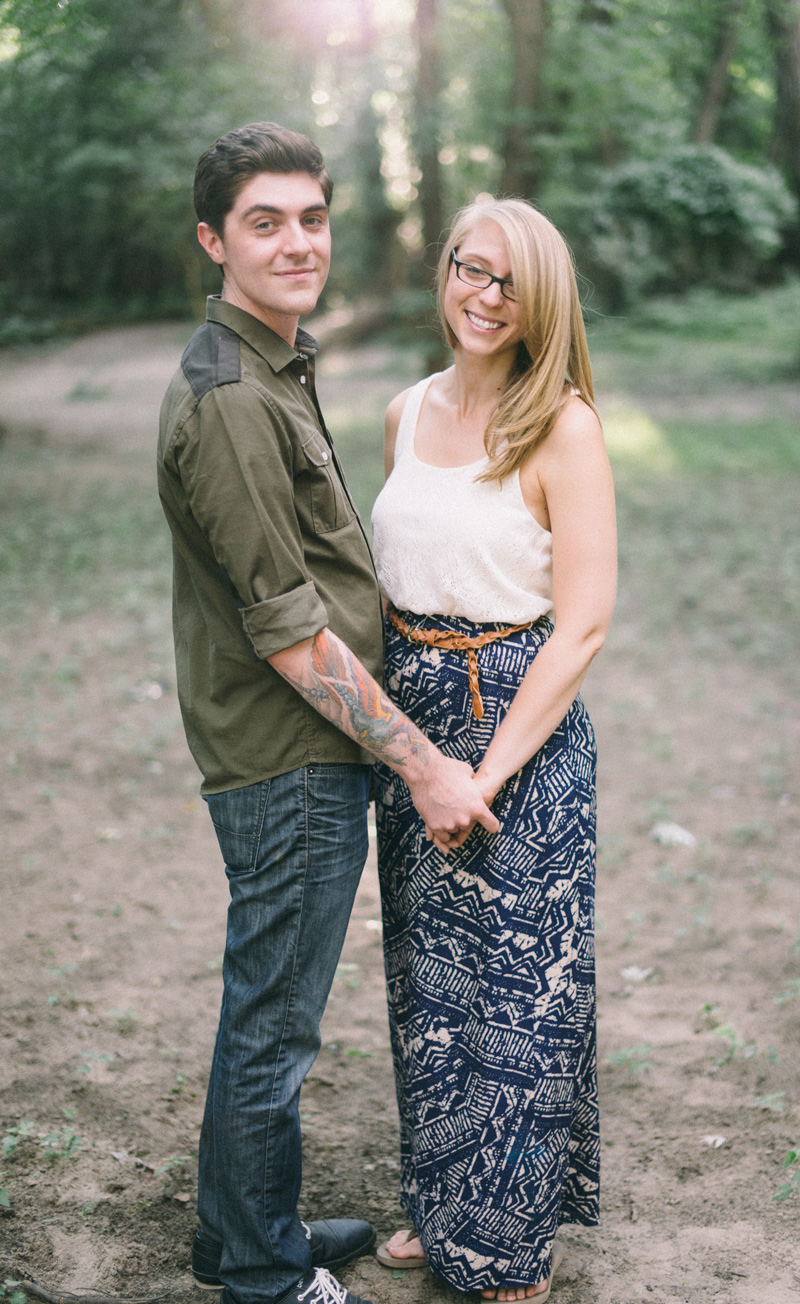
(410, 416)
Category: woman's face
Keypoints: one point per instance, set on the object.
(484, 321)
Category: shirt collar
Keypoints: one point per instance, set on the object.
(270, 346)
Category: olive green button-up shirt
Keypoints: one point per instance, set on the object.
(268, 549)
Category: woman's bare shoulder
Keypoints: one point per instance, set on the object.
(576, 431)
(395, 410)
(577, 419)
(391, 423)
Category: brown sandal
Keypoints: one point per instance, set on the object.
(542, 1296)
(385, 1257)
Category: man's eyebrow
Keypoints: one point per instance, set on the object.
(281, 212)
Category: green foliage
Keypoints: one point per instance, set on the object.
(173, 1163)
(694, 215)
(105, 107)
(789, 992)
(11, 1141)
(792, 1186)
(63, 1143)
(736, 1044)
(11, 1293)
(636, 1059)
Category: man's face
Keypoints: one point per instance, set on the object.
(275, 248)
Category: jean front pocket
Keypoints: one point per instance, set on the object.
(238, 818)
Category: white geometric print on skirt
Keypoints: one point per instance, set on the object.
(490, 975)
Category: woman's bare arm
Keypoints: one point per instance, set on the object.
(573, 471)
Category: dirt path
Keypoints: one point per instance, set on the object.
(113, 909)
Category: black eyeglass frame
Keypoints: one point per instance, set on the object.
(502, 281)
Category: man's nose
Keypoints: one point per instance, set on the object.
(295, 239)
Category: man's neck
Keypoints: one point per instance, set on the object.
(282, 325)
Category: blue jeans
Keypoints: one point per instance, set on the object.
(294, 848)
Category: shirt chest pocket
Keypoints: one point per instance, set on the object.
(328, 500)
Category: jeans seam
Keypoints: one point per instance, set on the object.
(260, 828)
(287, 1011)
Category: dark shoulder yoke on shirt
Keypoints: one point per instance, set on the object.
(211, 358)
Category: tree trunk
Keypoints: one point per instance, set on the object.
(783, 20)
(718, 81)
(523, 165)
(381, 220)
(426, 134)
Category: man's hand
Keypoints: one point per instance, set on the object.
(449, 800)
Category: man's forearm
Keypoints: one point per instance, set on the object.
(326, 673)
(330, 677)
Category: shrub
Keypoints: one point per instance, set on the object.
(694, 215)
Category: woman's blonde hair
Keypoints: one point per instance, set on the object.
(552, 356)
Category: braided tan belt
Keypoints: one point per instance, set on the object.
(451, 641)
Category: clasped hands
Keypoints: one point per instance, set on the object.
(451, 800)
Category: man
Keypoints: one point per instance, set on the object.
(278, 638)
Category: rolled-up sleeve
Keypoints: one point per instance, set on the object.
(235, 460)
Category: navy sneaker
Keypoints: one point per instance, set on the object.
(334, 1242)
(317, 1287)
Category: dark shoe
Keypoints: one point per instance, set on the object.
(317, 1287)
(334, 1242)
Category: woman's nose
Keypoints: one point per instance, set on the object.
(492, 294)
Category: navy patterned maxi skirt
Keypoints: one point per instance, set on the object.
(490, 973)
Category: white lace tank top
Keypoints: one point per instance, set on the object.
(447, 544)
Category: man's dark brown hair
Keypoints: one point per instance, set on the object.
(241, 154)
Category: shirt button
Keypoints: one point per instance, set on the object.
(324, 457)
(302, 380)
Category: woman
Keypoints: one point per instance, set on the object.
(497, 512)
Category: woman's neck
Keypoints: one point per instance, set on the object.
(478, 382)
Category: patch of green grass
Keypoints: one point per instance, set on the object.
(767, 444)
(636, 1059)
(77, 534)
(713, 560)
(701, 341)
(736, 1046)
(792, 1185)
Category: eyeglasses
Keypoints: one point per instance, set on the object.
(481, 279)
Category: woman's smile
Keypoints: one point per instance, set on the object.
(483, 323)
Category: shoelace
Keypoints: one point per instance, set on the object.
(324, 1289)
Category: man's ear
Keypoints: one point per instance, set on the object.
(211, 242)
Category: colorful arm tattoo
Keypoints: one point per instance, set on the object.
(336, 684)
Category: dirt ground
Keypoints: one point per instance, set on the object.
(113, 904)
